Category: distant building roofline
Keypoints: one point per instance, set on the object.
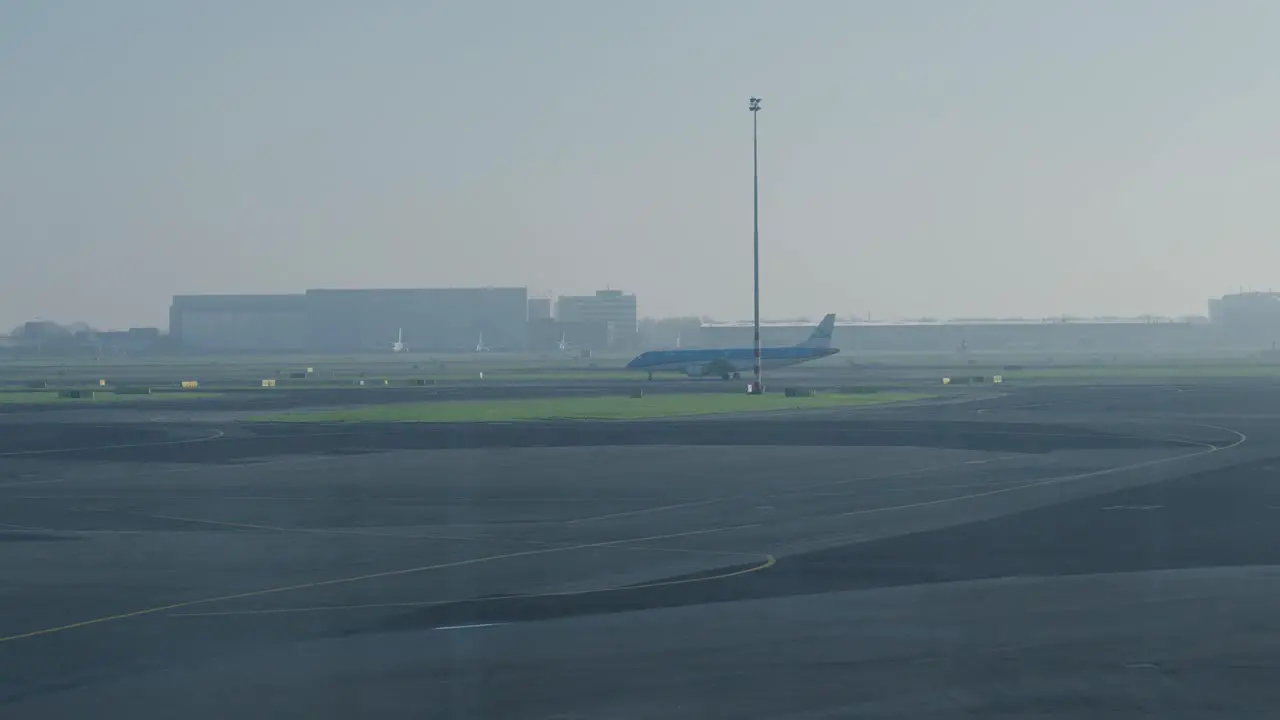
(505, 288)
(956, 322)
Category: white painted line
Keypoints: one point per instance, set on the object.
(32, 482)
(332, 582)
(1041, 482)
(643, 511)
(53, 451)
(467, 627)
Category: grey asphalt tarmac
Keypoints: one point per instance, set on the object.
(1052, 552)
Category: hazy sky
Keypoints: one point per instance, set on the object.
(940, 158)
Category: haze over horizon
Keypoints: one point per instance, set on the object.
(987, 158)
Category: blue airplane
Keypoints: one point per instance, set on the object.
(732, 362)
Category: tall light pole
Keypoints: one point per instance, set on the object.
(756, 387)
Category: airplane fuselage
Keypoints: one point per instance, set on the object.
(731, 359)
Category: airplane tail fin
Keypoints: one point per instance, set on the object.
(821, 337)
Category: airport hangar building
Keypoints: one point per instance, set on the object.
(431, 319)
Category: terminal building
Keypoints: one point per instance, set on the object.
(1049, 336)
(1241, 322)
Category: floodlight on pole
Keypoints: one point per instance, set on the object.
(757, 386)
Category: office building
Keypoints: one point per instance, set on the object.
(539, 309)
(606, 306)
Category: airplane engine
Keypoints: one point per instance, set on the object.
(696, 370)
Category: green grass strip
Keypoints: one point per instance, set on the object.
(604, 408)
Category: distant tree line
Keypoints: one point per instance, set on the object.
(669, 332)
(50, 330)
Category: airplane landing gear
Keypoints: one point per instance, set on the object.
(650, 377)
